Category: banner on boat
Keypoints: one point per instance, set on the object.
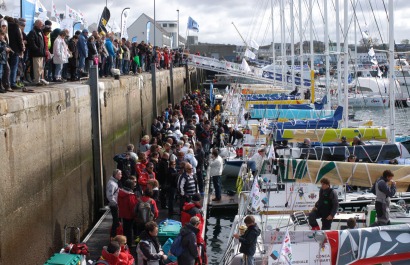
(285, 197)
(300, 247)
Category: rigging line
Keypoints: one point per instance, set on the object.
(262, 19)
(361, 8)
(395, 46)
(253, 21)
(259, 19)
(366, 45)
(377, 24)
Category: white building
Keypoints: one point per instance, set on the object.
(142, 29)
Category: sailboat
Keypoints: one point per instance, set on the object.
(287, 239)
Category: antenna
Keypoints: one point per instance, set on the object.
(240, 35)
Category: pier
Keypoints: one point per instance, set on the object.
(48, 157)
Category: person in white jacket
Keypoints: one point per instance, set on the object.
(60, 54)
(216, 167)
(190, 157)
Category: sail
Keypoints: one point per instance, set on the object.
(340, 173)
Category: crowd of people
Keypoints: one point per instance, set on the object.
(167, 167)
(47, 55)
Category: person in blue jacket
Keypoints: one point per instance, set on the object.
(82, 50)
(111, 54)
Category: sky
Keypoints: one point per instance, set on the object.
(252, 18)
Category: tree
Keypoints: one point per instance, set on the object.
(405, 41)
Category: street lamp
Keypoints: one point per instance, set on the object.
(155, 28)
(121, 21)
(178, 30)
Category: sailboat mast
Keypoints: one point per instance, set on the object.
(282, 35)
(312, 56)
(339, 62)
(273, 44)
(301, 46)
(346, 63)
(391, 72)
(292, 43)
(326, 39)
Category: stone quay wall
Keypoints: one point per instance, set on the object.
(46, 155)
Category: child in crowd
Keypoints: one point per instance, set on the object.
(153, 185)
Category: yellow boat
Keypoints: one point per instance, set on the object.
(334, 135)
(249, 104)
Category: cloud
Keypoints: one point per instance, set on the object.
(252, 18)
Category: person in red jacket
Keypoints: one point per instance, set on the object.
(145, 175)
(111, 253)
(126, 206)
(125, 256)
(193, 208)
(141, 163)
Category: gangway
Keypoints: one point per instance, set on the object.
(243, 70)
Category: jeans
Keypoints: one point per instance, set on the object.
(127, 225)
(14, 62)
(1, 74)
(248, 260)
(115, 220)
(200, 177)
(313, 215)
(126, 67)
(81, 63)
(171, 198)
(59, 68)
(142, 62)
(217, 186)
(109, 65)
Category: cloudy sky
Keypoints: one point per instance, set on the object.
(253, 17)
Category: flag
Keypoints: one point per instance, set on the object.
(40, 7)
(192, 24)
(105, 16)
(73, 14)
(371, 52)
(82, 19)
(54, 12)
(114, 27)
(148, 30)
(28, 8)
(271, 152)
(254, 44)
(249, 54)
(286, 251)
(245, 66)
(256, 195)
(124, 33)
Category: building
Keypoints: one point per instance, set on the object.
(142, 29)
(171, 26)
(218, 51)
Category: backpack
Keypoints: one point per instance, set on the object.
(176, 248)
(143, 211)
